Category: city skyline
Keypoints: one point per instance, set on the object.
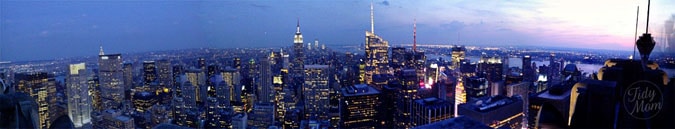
(72, 29)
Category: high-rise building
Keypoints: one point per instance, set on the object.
(430, 110)
(359, 107)
(458, 54)
(377, 58)
(231, 77)
(149, 76)
(406, 96)
(189, 90)
(128, 76)
(95, 91)
(197, 79)
(529, 73)
(377, 50)
(42, 87)
(476, 87)
(298, 64)
(164, 77)
(264, 90)
(176, 72)
(398, 58)
(521, 89)
(316, 91)
(79, 101)
(164, 73)
(491, 67)
(111, 78)
(669, 27)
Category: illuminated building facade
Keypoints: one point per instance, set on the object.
(316, 92)
(475, 87)
(377, 58)
(458, 54)
(42, 87)
(197, 79)
(149, 75)
(408, 93)
(430, 110)
(143, 101)
(164, 74)
(232, 78)
(79, 101)
(377, 53)
(111, 78)
(491, 67)
(359, 107)
(298, 64)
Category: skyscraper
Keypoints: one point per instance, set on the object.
(458, 54)
(79, 101)
(42, 87)
(128, 76)
(528, 71)
(164, 72)
(298, 64)
(111, 79)
(149, 76)
(264, 89)
(316, 91)
(377, 50)
(359, 106)
(197, 79)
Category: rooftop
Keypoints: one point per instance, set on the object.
(316, 66)
(358, 90)
(432, 101)
(488, 104)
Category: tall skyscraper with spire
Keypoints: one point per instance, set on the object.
(298, 64)
(377, 50)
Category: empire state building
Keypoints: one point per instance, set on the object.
(299, 59)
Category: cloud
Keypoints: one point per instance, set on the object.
(260, 6)
(44, 33)
(385, 3)
(453, 26)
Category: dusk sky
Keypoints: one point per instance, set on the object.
(38, 30)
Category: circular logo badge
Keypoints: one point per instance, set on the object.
(643, 100)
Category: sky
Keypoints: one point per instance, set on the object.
(39, 30)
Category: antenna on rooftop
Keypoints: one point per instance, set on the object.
(637, 17)
(645, 44)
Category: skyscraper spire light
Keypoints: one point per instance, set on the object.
(298, 35)
(100, 52)
(372, 21)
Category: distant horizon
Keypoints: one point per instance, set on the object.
(328, 46)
